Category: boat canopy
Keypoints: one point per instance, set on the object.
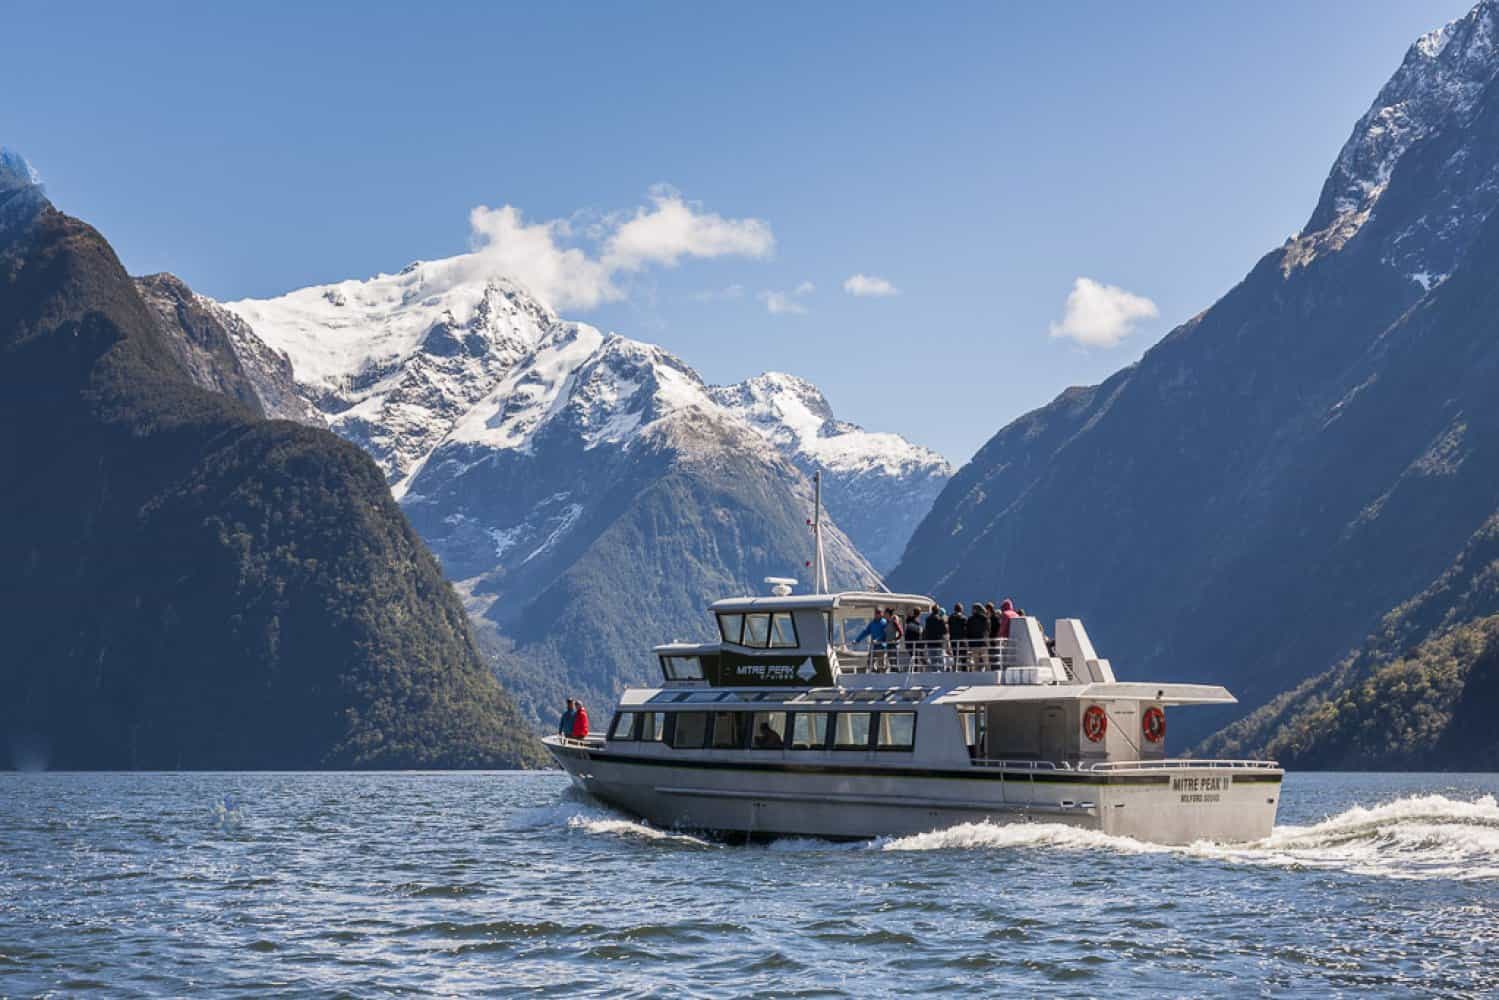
(823, 602)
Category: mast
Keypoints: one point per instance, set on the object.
(819, 567)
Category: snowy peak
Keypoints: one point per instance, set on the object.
(1437, 88)
(794, 415)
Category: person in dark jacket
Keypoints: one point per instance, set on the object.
(580, 722)
(913, 637)
(978, 636)
(1007, 614)
(957, 628)
(934, 636)
(565, 724)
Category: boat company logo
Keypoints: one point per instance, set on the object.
(806, 671)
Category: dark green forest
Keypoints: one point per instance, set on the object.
(187, 584)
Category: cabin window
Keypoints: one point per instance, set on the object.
(689, 730)
(895, 731)
(729, 627)
(705, 696)
(682, 668)
(624, 726)
(757, 630)
(851, 731)
(651, 725)
(782, 631)
(730, 730)
(768, 731)
(809, 730)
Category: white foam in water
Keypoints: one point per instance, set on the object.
(586, 815)
(1417, 837)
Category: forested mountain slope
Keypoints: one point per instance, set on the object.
(189, 584)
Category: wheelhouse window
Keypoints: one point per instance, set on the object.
(851, 731)
(782, 631)
(757, 630)
(688, 730)
(809, 730)
(729, 626)
(895, 731)
(624, 726)
(768, 731)
(682, 668)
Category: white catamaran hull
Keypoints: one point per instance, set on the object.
(1169, 803)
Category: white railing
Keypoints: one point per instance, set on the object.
(1182, 762)
(590, 742)
(935, 656)
(1020, 765)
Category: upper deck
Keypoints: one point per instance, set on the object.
(826, 640)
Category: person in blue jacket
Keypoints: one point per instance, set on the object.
(875, 633)
(565, 724)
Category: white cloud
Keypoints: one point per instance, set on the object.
(673, 228)
(869, 285)
(782, 303)
(537, 254)
(564, 277)
(725, 294)
(1099, 315)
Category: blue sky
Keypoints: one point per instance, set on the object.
(980, 158)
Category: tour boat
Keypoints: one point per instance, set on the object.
(787, 726)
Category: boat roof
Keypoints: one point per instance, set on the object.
(822, 602)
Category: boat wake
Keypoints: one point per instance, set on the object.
(1416, 837)
(586, 815)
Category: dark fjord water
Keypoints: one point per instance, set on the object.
(326, 884)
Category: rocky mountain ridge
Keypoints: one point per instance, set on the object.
(1249, 501)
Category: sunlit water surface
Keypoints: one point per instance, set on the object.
(327, 884)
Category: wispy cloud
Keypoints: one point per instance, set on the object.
(781, 303)
(726, 294)
(784, 303)
(868, 285)
(1099, 315)
(544, 256)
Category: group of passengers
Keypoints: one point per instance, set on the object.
(941, 640)
(574, 721)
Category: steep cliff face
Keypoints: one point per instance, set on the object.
(192, 585)
(1246, 502)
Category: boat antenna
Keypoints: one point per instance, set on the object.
(819, 565)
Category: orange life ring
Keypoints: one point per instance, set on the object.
(1095, 723)
(1153, 722)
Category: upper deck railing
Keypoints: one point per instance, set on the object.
(929, 656)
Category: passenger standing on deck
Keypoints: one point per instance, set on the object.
(1007, 614)
(565, 724)
(957, 628)
(934, 636)
(978, 635)
(875, 633)
(580, 722)
(913, 636)
(893, 633)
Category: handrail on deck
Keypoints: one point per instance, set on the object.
(1182, 762)
(934, 655)
(591, 741)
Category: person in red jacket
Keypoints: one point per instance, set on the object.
(580, 722)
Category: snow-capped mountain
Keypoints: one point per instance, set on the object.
(565, 474)
(1435, 99)
(877, 485)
